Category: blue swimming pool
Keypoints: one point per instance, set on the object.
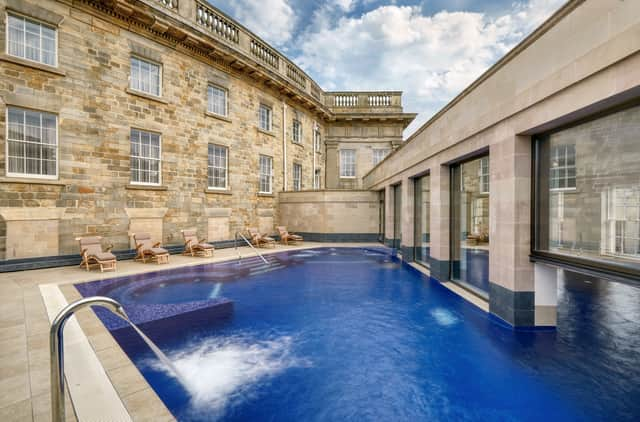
(353, 334)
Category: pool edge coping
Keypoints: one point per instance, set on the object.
(55, 298)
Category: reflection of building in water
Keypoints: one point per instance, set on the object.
(594, 187)
(475, 202)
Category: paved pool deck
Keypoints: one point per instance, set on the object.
(103, 382)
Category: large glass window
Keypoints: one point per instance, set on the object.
(297, 177)
(296, 131)
(217, 168)
(265, 117)
(32, 143)
(31, 40)
(379, 154)
(422, 199)
(470, 224)
(317, 180)
(381, 217)
(317, 139)
(266, 174)
(145, 157)
(145, 76)
(588, 191)
(217, 100)
(397, 216)
(347, 163)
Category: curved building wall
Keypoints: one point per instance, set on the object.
(88, 92)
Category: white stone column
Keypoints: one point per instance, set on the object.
(388, 215)
(511, 280)
(546, 294)
(406, 219)
(440, 218)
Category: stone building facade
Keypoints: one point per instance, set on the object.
(95, 93)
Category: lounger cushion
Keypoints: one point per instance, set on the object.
(104, 256)
(295, 237)
(205, 246)
(158, 251)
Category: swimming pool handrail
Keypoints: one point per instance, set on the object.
(235, 243)
(56, 347)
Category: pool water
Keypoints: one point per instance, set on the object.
(353, 334)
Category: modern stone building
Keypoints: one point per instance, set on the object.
(532, 170)
(159, 115)
(163, 115)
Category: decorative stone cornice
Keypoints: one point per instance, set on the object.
(199, 29)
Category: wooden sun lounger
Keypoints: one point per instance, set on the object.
(94, 256)
(146, 250)
(195, 247)
(286, 237)
(259, 240)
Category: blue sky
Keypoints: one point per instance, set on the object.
(430, 49)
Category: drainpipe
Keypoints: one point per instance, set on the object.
(284, 145)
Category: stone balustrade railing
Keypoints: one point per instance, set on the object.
(169, 4)
(265, 54)
(296, 75)
(387, 101)
(232, 34)
(215, 22)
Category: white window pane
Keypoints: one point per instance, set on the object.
(28, 131)
(31, 40)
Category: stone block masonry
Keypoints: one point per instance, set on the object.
(89, 93)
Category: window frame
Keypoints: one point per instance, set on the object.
(620, 272)
(226, 168)
(260, 175)
(340, 165)
(296, 131)
(297, 166)
(269, 115)
(160, 75)
(566, 167)
(131, 181)
(317, 140)
(6, 155)
(484, 176)
(317, 179)
(226, 99)
(377, 150)
(39, 22)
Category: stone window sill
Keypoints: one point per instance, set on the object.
(266, 132)
(217, 116)
(146, 96)
(300, 144)
(34, 65)
(265, 195)
(218, 191)
(146, 187)
(26, 180)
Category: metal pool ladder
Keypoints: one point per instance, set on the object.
(235, 243)
(56, 348)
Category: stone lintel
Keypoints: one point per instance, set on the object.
(35, 11)
(146, 212)
(31, 213)
(218, 212)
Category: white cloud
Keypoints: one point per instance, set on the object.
(273, 20)
(430, 58)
